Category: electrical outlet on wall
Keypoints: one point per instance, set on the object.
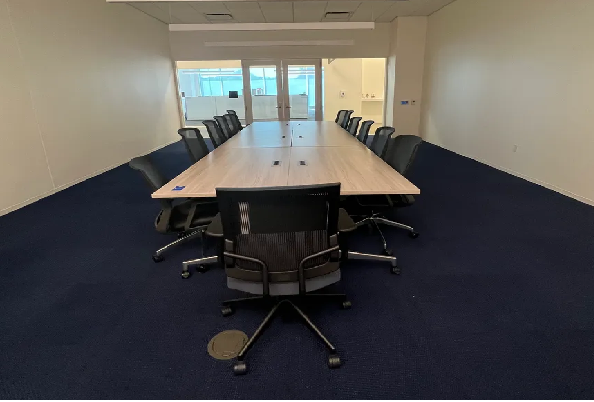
(413, 102)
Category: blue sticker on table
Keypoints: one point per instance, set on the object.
(177, 188)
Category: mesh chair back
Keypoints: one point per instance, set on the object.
(347, 118)
(279, 226)
(194, 143)
(340, 116)
(402, 151)
(152, 176)
(353, 125)
(214, 132)
(231, 123)
(380, 140)
(236, 120)
(225, 129)
(364, 131)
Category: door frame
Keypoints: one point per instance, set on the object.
(247, 91)
(317, 83)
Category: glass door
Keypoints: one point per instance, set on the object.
(302, 89)
(282, 89)
(262, 83)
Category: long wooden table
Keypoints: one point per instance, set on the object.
(266, 154)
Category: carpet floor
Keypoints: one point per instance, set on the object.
(495, 300)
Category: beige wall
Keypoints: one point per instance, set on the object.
(342, 75)
(506, 73)
(84, 86)
(405, 74)
(190, 45)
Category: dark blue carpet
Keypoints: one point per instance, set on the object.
(495, 300)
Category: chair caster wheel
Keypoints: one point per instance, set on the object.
(240, 368)
(157, 258)
(396, 270)
(387, 251)
(413, 235)
(334, 361)
(185, 274)
(346, 305)
(226, 311)
(202, 268)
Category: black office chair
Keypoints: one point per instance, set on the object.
(353, 125)
(187, 218)
(224, 125)
(342, 118)
(364, 131)
(347, 118)
(214, 132)
(194, 143)
(282, 243)
(379, 144)
(233, 128)
(236, 120)
(400, 155)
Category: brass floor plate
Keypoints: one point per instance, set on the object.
(227, 344)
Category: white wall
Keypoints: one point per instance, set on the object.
(501, 73)
(405, 74)
(84, 86)
(190, 45)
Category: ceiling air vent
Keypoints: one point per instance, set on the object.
(219, 17)
(337, 15)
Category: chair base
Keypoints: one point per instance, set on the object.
(182, 237)
(241, 367)
(374, 221)
(202, 265)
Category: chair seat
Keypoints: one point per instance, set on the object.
(285, 288)
(205, 212)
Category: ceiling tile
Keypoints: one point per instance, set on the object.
(277, 12)
(209, 7)
(369, 11)
(310, 11)
(187, 14)
(337, 6)
(245, 11)
(398, 9)
(428, 7)
(156, 10)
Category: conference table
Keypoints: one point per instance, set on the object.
(289, 153)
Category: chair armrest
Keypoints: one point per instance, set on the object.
(256, 261)
(306, 259)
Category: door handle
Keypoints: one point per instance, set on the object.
(287, 107)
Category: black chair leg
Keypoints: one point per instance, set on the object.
(240, 366)
(333, 358)
(227, 308)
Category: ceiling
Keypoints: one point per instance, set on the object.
(197, 12)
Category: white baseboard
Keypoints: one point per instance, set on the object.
(550, 186)
(65, 186)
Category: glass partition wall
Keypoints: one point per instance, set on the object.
(263, 90)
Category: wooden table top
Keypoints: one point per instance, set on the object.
(266, 154)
